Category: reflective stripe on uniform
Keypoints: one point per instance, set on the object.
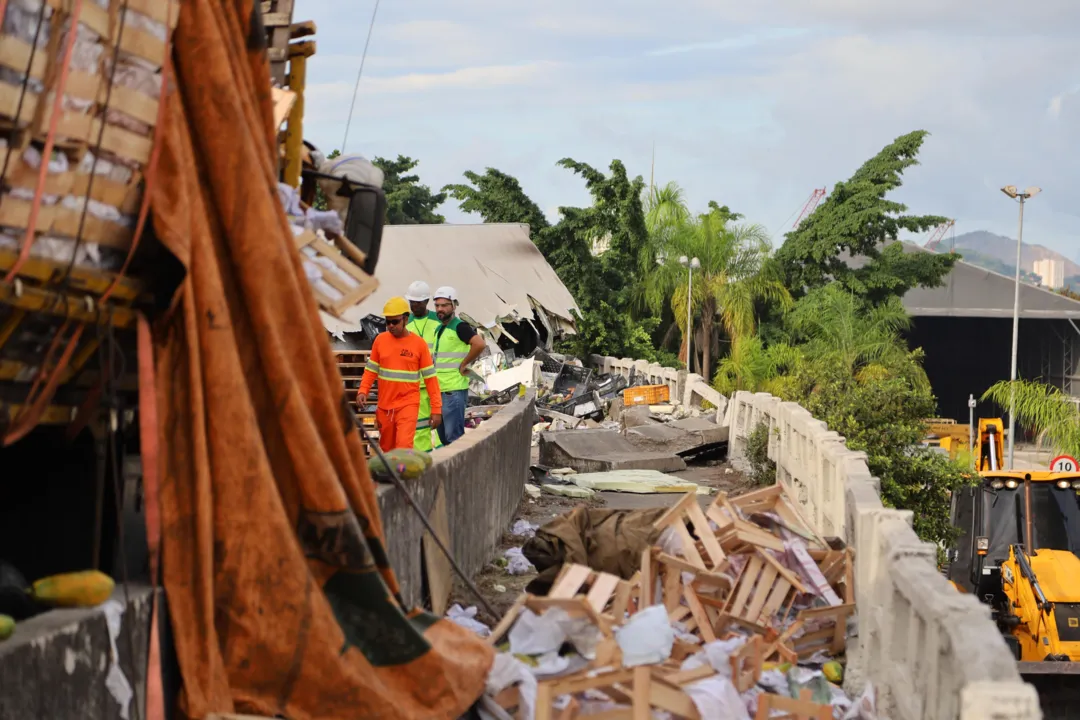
(402, 376)
(372, 366)
(423, 423)
(427, 372)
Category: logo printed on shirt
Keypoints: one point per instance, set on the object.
(405, 352)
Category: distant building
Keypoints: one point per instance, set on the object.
(1051, 271)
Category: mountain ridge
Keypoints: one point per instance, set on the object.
(985, 247)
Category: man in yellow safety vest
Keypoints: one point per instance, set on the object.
(424, 323)
(457, 345)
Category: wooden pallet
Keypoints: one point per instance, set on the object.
(351, 364)
(346, 257)
(277, 18)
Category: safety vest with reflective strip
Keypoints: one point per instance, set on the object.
(402, 376)
(400, 364)
(426, 328)
(449, 353)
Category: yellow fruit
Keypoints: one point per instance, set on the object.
(7, 627)
(834, 671)
(78, 589)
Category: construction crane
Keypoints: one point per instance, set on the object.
(937, 233)
(811, 204)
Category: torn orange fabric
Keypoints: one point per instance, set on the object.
(281, 597)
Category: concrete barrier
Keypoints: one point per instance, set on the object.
(931, 652)
(56, 664)
(481, 478)
(687, 389)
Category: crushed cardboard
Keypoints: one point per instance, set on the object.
(734, 584)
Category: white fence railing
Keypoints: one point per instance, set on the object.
(931, 652)
(687, 389)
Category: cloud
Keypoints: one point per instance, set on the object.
(733, 43)
(1058, 101)
(786, 96)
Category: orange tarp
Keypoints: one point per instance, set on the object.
(280, 593)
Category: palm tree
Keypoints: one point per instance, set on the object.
(866, 342)
(753, 367)
(725, 289)
(1043, 409)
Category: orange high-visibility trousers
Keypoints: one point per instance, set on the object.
(397, 428)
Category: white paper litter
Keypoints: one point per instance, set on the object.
(716, 697)
(647, 637)
(516, 563)
(115, 681)
(524, 528)
(534, 634)
(508, 670)
(466, 618)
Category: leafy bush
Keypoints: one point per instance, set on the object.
(884, 418)
(762, 469)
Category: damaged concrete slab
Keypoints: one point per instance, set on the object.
(601, 451)
(677, 436)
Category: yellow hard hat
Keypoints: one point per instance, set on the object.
(395, 306)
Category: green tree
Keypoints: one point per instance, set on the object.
(498, 198)
(857, 220)
(884, 417)
(727, 287)
(1044, 410)
(837, 330)
(753, 367)
(408, 202)
(601, 284)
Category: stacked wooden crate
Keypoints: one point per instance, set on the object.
(351, 364)
(80, 84)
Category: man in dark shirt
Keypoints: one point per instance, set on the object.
(457, 345)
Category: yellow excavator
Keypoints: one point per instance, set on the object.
(1019, 554)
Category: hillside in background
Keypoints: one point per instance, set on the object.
(998, 253)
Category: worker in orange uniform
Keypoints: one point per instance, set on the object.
(399, 360)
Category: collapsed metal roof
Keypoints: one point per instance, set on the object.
(499, 274)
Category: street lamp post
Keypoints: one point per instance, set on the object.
(1022, 197)
(691, 265)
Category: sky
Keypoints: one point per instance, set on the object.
(751, 104)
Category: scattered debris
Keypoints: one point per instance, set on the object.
(523, 528)
(635, 481)
(568, 490)
(516, 563)
(735, 611)
(466, 618)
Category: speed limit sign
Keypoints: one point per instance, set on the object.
(1064, 464)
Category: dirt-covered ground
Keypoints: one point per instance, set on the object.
(501, 589)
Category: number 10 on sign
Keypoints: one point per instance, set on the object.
(1064, 464)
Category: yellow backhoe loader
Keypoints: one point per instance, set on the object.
(1019, 554)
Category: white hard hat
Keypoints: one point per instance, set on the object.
(446, 292)
(418, 291)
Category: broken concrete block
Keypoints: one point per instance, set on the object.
(600, 451)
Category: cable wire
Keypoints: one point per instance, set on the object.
(360, 74)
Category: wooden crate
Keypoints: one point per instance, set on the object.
(351, 365)
(646, 395)
(349, 259)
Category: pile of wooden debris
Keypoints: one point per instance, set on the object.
(738, 611)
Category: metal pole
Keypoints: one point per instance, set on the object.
(689, 300)
(1015, 337)
(971, 430)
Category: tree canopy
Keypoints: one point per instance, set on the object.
(408, 202)
(857, 220)
(602, 284)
